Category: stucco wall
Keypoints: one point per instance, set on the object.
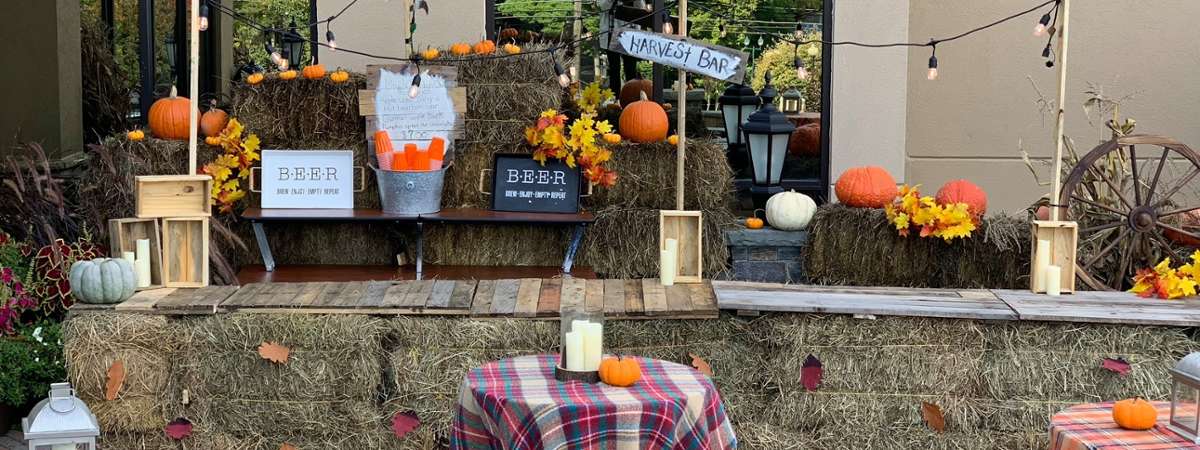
(42, 88)
(380, 27)
(970, 122)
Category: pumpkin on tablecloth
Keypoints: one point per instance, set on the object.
(866, 187)
(1134, 414)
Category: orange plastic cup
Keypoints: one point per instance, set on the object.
(437, 153)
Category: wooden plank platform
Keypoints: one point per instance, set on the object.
(284, 273)
(1102, 307)
(860, 301)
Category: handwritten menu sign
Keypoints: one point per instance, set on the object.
(437, 111)
(713, 61)
(520, 184)
(308, 179)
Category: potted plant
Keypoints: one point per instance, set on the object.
(33, 358)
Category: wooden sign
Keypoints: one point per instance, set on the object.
(520, 184)
(308, 179)
(694, 56)
(438, 110)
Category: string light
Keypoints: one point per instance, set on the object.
(746, 41)
(801, 71)
(277, 59)
(799, 33)
(415, 89)
(563, 79)
(1040, 29)
(721, 28)
(667, 27)
(330, 41)
(760, 40)
(933, 70)
(204, 17)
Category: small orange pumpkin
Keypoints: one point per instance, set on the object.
(213, 120)
(806, 140)
(136, 135)
(460, 49)
(612, 138)
(485, 46)
(254, 78)
(314, 71)
(866, 187)
(340, 76)
(431, 53)
(288, 75)
(509, 33)
(169, 116)
(673, 139)
(963, 191)
(213, 140)
(620, 371)
(643, 121)
(1134, 414)
(754, 223)
(512, 49)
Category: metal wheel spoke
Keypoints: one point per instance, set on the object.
(1186, 180)
(1108, 248)
(1178, 211)
(1112, 186)
(1162, 242)
(1157, 173)
(1176, 229)
(1124, 266)
(1137, 189)
(1099, 205)
(1102, 227)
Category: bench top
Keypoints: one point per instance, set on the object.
(451, 215)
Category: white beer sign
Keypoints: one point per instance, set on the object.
(308, 179)
(702, 58)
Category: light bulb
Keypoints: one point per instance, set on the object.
(564, 80)
(760, 41)
(203, 17)
(801, 71)
(283, 63)
(330, 41)
(1040, 28)
(799, 32)
(574, 72)
(746, 41)
(415, 89)
(722, 29)
(933, 65)
(668, 28)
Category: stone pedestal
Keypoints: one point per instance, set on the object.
(767, 255)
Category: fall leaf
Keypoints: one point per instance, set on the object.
(701, 365)
(273, 352)
(286, 446)
(403, 423)
(811, 372)
(933, 416)
(179, 428)
(116, 378)
(1117, 365)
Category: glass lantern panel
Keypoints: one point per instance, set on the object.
(581, 338)
(1184, 410)
(758, 144)
(75, 446)
(779, 150)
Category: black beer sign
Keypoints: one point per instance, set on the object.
(520, 184)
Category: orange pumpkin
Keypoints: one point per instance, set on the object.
(754, 223)
(213, 120)
(509, 33)
(1134, 414)
(673, 139)
(212, 140)
(460, 49)
(431, 53)
(1188, 221)
(633, 90)
(485, 47)
(340, 76)
(254, 78)
(643, 121)
(136, 135)
(288, 75)
(866, 187)
(963, 191)
(169, 116)
(612, 138)
(313, 72)
(620, 371)
(512, 49)
(806, 140)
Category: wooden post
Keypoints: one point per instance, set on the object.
(1055, 211)
(681, 128)
(194, 84)
(577, 31)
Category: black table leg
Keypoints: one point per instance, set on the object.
(576, 239)
(420, 249)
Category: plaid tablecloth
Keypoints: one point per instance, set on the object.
(1090, 427)
(516, 404)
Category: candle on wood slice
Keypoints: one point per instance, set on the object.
(1053, 277)
(1041, 261)
(574, 350)
(593, 345)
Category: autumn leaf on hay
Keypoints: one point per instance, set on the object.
(1116, 365)
(933, 416)
(287, 446)
(178, 429)
(811, 372)
(116, 379)
(403, 423)
(273, 352)
(701, 365)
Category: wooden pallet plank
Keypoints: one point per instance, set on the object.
(374, 295)
(352, 295)
(1101, 307)
(204, 300)
(703, 298)
(574, 295)
(281, 295)
(504, 297)
(839, 303)
(482, 304)
(614, 297)
(143, 301)
(654, 297)
(244, 294)
(633, 298)
(310, 293)
(329, 296)
(594, 295)
(440, 297)
(418, 294)
(550, 297)
(395, 295)
(527, 297)
(679, 298)
(464, 293)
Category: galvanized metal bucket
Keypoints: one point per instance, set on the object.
(410, 193)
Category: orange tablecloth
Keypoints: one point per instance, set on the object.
(1090, 427)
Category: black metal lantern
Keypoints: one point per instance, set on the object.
(293, 45)
(793, 101)
(766, 133)
(169, 47)
(737, 103)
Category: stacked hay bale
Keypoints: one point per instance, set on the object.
(857, 246)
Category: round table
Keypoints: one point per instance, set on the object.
(517, 404)
(1090, 427)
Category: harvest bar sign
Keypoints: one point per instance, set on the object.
(713, 61)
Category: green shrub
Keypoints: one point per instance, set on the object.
(780, 61)
(32, 359)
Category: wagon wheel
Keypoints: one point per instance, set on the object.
(1133, 198)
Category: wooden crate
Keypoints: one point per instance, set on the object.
(185, 251)
(686, 227)
(123, 235)
(1064, 238)
(173, 196)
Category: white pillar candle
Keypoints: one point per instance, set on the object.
(143, 249)
(142, 266)
(593, 345)
(1053, 277)
(1041, 260)
(578, 325)
(574, 348)
(669, 262)
(128, 256)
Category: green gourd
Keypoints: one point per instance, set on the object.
(102, 280)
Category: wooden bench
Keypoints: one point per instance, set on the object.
(258, 217)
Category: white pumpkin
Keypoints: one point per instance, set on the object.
(102, 280)
(790, 211)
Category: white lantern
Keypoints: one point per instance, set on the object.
(61, 422)
(1185, 397)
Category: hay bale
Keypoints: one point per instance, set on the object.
(528, 67)
(647, 177)
(146, 345)
(857, 246)
(622, 242)
(293, 114)
(511, 100)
